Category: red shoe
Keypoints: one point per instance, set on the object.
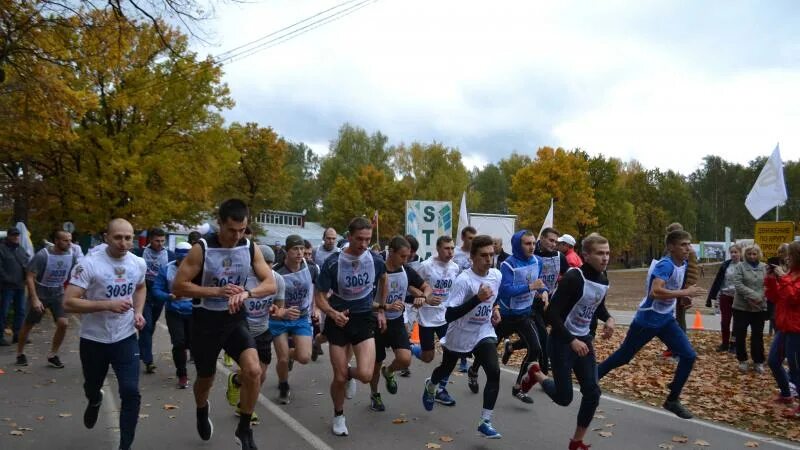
(578, 445)
(529, 379)
(793, 413)
(781, 400)
(667, 354)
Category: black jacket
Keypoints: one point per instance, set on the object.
(717, 285)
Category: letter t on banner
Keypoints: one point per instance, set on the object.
(548, 219)
(770, 188)
(463, 218)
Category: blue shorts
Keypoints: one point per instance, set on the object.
(298, 327)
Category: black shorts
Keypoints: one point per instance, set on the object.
(55, 305)
(511, 324)
(213, 331)
(395, 336)
(426, 336)
(264, 347)
(359, 328)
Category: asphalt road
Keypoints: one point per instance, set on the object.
(47, 404)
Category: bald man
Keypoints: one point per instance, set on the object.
(107, 288)
(327, 248)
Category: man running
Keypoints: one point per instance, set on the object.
(439, 272)
(462, 258)
(353, 275)
(47, 272)
(580, 296)
(156, 256)
(566, 245)
(297, 309)
(471, 316)
(554, 266)
(400, 277)
(519, 288)
(327, 248)
(178, 312)
(108, 289)
(214, 274)
(656, 318)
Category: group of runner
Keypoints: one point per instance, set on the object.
(224, 292)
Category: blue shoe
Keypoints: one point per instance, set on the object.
(444, 398)
(487, 430)
(462, 366)
(428, 399)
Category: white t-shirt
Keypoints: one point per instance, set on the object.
(465, 333)
(107, 278)
(461, 258)
(440, 277)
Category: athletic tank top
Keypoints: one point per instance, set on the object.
(355, 277)
(320, 255)
(299, 290)
(551, 268)
(257, 308)
(522, 275)
(222, 266)
(155, 261)
(440, 277)
(675, 282)
(580, 316)
(57, 270)
(398, 285)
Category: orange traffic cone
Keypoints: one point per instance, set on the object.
(698, 321)
(415, 334)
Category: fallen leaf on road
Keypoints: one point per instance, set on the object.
(171, 417)
(666, 446)
(399, 420)
(432, 445)
(40, 418)
(16, 433)
(701, 443)
(446, 439)
(168, 407)
(680, 439)
(605, 433)
(24, 429)
(65, 415)
(610, 425)
(599, 416)
(751, 444)
(597, 429)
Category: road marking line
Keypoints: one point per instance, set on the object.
(312, 439)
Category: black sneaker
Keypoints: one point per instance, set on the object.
(22, 360)
(523, 397)
(405, 373)
(55, 362)
(92, 411)
(285, 393)
(315, 351)
(204, 426)
(675, 407)
(244, 439)
(472, 380)
(508, 350)
(149, 368)
(723, 348)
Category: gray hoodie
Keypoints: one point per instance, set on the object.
(12, 266)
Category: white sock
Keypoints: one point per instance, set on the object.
(486, 414)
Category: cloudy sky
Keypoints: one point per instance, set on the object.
(664, 82)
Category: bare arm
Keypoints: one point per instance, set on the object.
(264, 273)
(30, 281)
(659, 291)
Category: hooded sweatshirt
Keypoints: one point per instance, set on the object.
(515, 297)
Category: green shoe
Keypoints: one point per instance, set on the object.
(227, 361)
(391, 380)
(232, 392)
(253, 419)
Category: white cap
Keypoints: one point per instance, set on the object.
(183, 246)
(567, 239)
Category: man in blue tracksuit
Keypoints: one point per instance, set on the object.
(520, 287)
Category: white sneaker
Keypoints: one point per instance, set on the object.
(759, 368)
(743, 366)
(351, 388)
(339, 426)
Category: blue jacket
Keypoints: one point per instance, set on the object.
(509, 287)
(162, 288)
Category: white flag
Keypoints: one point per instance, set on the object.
(770, 188)
(548, 219)
(463, 218)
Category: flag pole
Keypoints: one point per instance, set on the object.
(378, 229)
(777, 213)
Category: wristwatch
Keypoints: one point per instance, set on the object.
(249, 294)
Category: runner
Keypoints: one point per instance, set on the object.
(156, 256)
(462, 258)
(400, 276)
(178, 312)
(439, 272)
(554, 266)
(655, 318)
(519, 288)
(308, 252)
(296, 312)
(214, 274)
(108, 289)
(47, 272)
(353, 275)
(580, 296)
(327, 248)
(259, 312)
(471, 315)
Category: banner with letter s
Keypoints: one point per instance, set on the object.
(426, 221)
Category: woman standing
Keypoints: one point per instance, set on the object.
(724, 290)
(750, 308)
(783, 290)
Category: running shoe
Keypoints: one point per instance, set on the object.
(253, 417)
(244, 439)
(284, 393)
(529, 379)
(759, 368)
(743, 366)
(376, 403)
(232, 392)
(92, 411)
(55, 361)
(508, 350)
(183, 382)
(405, 373)
(204, 426)
(472, 380)
(227, 361)
(732, 349)
(351, 388)
(22, 360)
(443, 397)
(149, 368)
(781, 400)
(793, 413)
(677, 408)
(316, 350)
(391, 380)
(667, 354)
(578, 445)
(340, 426)
(428, 396)
(487, 430)
(523, 397)
(723, 348)
(462, 366)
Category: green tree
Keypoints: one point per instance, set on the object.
(614, 212)
(352, 150)
(509, 167)
(302, 166)
(650, 218)
(492, 188)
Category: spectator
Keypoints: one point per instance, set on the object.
(13, 260)
(724, 290)
(778, 260)
(566, 245)
(500, 254)
(750, 308)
